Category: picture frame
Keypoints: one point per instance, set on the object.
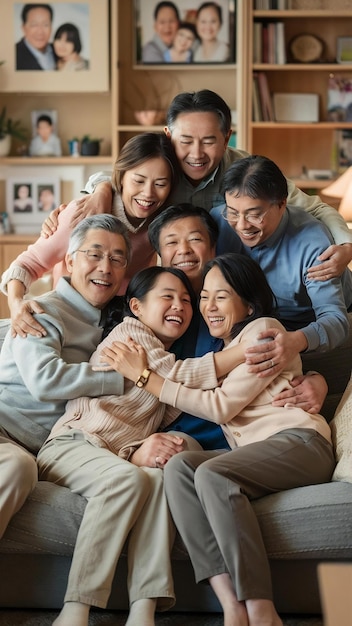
(38, 113)
(90, 20)
(29, 199)
(344, 50)
(182, 44)
(45, 141)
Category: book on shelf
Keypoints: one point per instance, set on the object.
(257, 107)
(265, 98)
(269, 43)
(270, 5)
(257, 42)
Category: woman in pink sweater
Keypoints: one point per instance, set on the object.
(272, 448)
(89, 449)
(144, 175)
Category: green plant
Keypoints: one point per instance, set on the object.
(89, 139)
(11, 127)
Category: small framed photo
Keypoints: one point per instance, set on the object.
(344, 50)
(184, 31)
(45, 141)
(28, 199)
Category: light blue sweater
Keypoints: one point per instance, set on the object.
(38, 375)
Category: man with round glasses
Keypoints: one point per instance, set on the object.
(286, 241)
(38, 376)
(95, 255)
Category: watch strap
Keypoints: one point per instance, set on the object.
(143, 378)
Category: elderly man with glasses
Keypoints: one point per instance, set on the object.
(38, 376)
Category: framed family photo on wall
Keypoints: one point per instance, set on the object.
(56, 46)
(28, 199)
(184, 31)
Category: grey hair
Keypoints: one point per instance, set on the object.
(104, 221)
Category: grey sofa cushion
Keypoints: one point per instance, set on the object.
(47, 523)
(307, 522)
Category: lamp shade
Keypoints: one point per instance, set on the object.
(342, 188)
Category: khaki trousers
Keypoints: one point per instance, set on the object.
(210, 493)
(18, 477)
(122, 501)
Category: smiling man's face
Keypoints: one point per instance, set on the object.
(97, 280)
(185, 244)
(199, 143)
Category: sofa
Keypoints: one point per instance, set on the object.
(301, 528)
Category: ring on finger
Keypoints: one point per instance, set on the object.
(272, 363)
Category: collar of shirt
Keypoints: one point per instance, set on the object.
(205, 182)
(45, 59)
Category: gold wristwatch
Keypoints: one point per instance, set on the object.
(143, 378)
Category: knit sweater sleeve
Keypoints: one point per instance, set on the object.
(237, 390)
(197, 373)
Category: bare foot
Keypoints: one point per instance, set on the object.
(142, 612)
(262, 613)
(235, 612)
(235, 615)
(73, 613)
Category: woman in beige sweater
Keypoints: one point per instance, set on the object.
(272, 448)
(89, 448)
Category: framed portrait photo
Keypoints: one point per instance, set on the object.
(70, 56)
(344, 50)
(29, 200)
(184, 32)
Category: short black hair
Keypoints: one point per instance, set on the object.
(44, 118)
(202, 101)
(177, 212)
(29, 7)
(256, 176)
(168, 5)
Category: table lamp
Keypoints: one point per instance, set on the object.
(342, 188)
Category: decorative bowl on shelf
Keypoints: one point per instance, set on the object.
(150, 117)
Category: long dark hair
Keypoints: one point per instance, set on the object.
(248, 280)
(144, 280)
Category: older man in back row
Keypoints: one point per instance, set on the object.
(199, 127)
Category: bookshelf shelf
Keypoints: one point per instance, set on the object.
(317, 126)
(303, 67)
(294, 145)
(303, 13)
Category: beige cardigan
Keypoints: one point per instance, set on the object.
(242, 404)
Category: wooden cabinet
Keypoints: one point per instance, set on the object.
(10, 247)
(296, 145)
